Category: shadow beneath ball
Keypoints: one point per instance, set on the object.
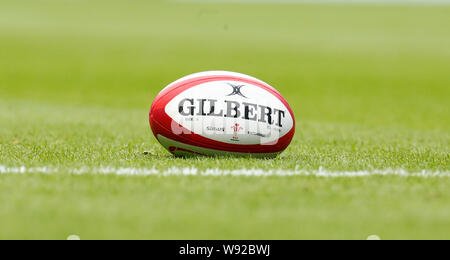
(189, 155)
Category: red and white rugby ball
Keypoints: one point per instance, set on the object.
(222, 113)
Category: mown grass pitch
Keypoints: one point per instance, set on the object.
(369, 86)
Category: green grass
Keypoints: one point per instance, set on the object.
(201, 207)
(369, 86)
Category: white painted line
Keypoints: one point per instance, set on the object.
(376, 2)
(192, 171)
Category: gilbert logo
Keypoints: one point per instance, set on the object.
(236, 128)
(236, 90)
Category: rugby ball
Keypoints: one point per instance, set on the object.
(222, 113)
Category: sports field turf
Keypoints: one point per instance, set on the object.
(369, 86)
